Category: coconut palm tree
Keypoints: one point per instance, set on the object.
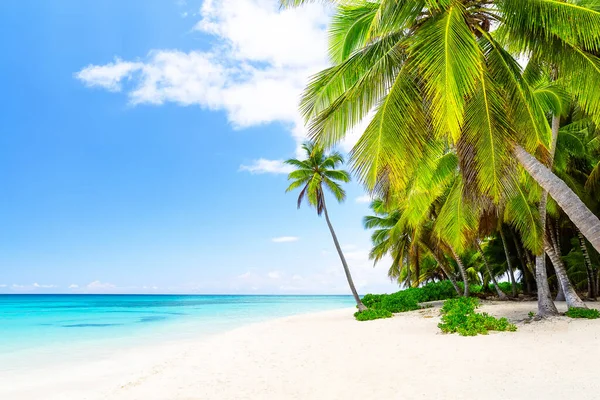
(448, 69)
(319, 170)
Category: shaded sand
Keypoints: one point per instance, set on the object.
(329, 355)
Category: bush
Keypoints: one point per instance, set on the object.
(370, 314)
(373, 300)
(409, 299)
(590, 313)
(437, 291)
(459, 316)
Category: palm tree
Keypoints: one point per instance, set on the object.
(431, 68)
(436, 66)
(318, 170)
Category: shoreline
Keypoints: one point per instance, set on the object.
(329, 355)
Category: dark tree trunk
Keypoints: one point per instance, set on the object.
(499, 291)
(359, 304)
(524, 268)
(591, 275)
(463, 272)
(552, 247)
(444, 268)
(511, 274)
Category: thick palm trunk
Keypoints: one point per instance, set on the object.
(443, 267)
(524, 269)
(463, 272)
(560, 295)
(511, 274)
(569, 202)
(571, 297)
(591, 274)
(499, 291)
(360, 305)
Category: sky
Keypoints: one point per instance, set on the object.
(141, 151)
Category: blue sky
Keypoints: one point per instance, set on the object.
(141, 151)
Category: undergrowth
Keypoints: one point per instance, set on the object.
(459, 316)
(370, 314)
(589, 313)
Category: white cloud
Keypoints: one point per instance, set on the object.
(255, 72)
(3, 285)
(73, 286)
(100, 285)
(364, 199)
(16, 286)
(285, 239)
(37, 285)
(108, 76)
(274, 275)
(263, 166)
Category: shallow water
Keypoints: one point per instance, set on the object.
(46, 328)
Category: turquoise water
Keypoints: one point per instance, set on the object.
(32, 326)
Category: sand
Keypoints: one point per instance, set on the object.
(329, 355)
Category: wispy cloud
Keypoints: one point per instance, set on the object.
(73, 286)
(37, 285)
(255, 72)
(100, 285)
(285, 239)
(263, 166)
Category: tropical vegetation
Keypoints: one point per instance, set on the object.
(482, 148)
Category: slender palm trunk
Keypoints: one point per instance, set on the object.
(591, 274)
(445, 269)
(568, 201)
(499, 291)
(545, 305)
(463, 272)
(511, 274)
(571, 297)
(360, 305)
(524, 269)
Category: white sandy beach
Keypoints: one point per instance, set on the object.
(329, 355)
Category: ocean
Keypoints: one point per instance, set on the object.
(46, 328)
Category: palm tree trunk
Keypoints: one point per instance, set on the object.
(560, 294)
(463, 272)
(588, 266)
(524, 268)
(499, 291)
(443, 267)
(359, 304)
(540, 173)
(511, 274)
(571, 297)
(569, 202)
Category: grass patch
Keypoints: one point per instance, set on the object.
(370, 314)
(590, 313)
(459, 316)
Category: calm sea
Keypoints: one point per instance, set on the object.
(38, 327)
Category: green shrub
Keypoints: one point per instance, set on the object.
(437, 291)
(409, 299)
(590, 313)
(459, 316)
(373, 300)
(405, 300)
(370, 314)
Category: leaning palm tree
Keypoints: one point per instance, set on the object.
(450, 66)
(318, 170)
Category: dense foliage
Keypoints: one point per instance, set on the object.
(583, 313)
(459, 316)
(370, 314)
